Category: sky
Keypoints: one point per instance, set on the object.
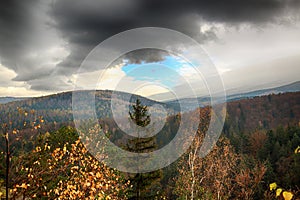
(253, 44)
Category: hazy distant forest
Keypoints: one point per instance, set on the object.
(256, 157)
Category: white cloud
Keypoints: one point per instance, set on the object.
(212, 26)
(20, 92)
(264, 75)
(100, 79)
(152, 89)
(6, 75)
(110, 78)
(8, 87)
(253, 45)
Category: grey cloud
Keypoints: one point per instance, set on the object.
(148, 55)
(86, 24)
(61, 83)
(23, 41)
(15, 23)
(28, 75)
(84, 30)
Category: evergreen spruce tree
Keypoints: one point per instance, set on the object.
(145, 185)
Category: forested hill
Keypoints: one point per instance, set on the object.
(58, 107)
(246, 115)
(265, 112)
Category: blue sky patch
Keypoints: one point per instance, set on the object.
(165, 72)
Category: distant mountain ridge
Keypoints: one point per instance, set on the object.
(4, 100)
(234, 94)
(292, 87)
(191, 104)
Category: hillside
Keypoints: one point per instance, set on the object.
(265, 112)
(259, 112)
(35, 147)
(242, 115)
(58, 107)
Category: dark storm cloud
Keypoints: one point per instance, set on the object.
(84, 24)
(15, 23)
(87, 23)
(19, 42)
(231, 11)
(47, 84)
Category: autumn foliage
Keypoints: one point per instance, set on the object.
(253, 158)
(66, 172)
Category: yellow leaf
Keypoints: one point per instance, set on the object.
(98, 175)
(297, 150)
(287, 195)
(47, 134)
(38, 149)
(278, 192)
(65, 149)
(273, 186)
(24, 186)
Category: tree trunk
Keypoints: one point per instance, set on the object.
(7, 164)
(138, 187)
